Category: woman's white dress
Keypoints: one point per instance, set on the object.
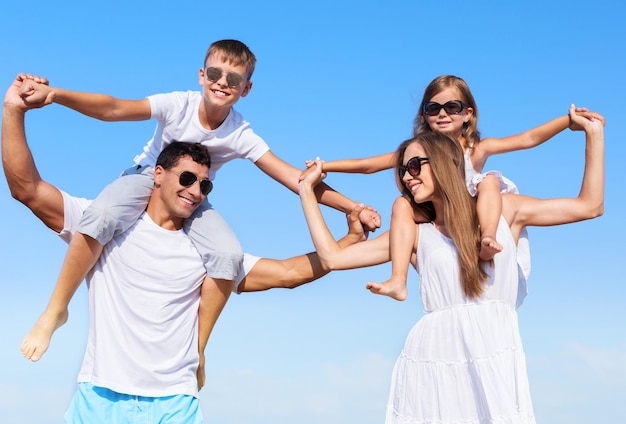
(463, 362)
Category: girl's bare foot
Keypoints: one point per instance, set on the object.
(489, 247)
(396, 289)
(38, 338)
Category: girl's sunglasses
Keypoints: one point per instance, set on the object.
(187, 179)
(453, 107)
(213, 74)
(413, 165)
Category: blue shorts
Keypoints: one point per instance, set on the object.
(98, 405)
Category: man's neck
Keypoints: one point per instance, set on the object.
(164, 220)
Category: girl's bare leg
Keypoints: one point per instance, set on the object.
(401, 241)
(489, 209)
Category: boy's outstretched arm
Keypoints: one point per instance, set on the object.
(23, 179)
(100, 106)
(289, 176)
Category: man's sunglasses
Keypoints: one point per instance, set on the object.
(233, 79)
(187, 179)
(453, 107)
(413, 166)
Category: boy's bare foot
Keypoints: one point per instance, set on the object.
(489, 247)
(396, 289)
(38, 338)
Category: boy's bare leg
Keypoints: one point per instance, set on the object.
(82, 254)
(401, 241)
(213, 297)
(489, 209)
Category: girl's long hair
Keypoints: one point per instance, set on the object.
(436, 86)
(445, 157)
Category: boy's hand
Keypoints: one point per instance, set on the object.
(21, 87)
(370, 218)
(356, 232)
(35, 91)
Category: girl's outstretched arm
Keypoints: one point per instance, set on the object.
(359, 166)
(523, 211)
(527, 139)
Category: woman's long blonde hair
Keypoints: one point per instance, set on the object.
(445, 158)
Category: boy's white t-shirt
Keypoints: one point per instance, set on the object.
(177, 120)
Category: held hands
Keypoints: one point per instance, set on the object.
(29, 92)
(579, 116)
(368, 216)
(583, 120)
(313, 175)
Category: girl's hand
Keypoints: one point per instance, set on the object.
(313, 175)
(583, 120)
(577, 112)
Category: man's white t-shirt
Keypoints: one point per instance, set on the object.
(144, 293)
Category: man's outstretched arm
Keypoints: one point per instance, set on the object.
(23, 179)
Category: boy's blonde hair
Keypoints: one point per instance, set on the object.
(234, 52)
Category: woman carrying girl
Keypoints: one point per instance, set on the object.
(464, 360)
(448, 107)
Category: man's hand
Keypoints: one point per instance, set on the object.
(370, 218)
(35, 91)
(26, 93)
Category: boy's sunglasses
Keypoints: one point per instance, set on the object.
(187, 179)
(233, 79)
(413, 165)
(453, 107)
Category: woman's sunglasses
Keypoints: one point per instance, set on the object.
(413, 166)
(213, 74)
(187, 179)
(453, 107)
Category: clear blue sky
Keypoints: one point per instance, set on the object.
(335, 79)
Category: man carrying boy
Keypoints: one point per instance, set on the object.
(144, 293)
(207, 117)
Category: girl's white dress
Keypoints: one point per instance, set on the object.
(463, 362)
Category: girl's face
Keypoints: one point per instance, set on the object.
(421, 186)
(445, 122)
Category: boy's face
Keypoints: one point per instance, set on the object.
(218, 80)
